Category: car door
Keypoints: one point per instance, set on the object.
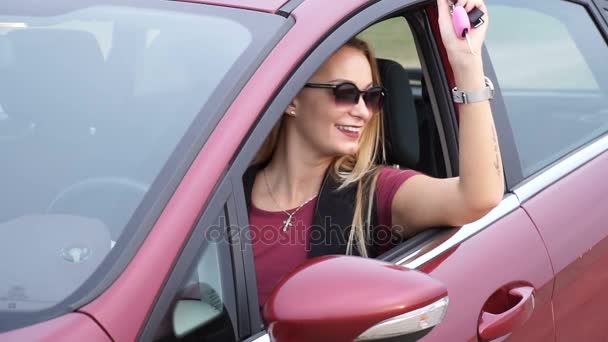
(554, 83)
(498, 276)
(497, 268)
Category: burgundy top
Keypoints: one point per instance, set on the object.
(276, 252)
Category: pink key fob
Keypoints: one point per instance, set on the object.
(461, 22)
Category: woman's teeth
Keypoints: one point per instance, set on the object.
(349, 128)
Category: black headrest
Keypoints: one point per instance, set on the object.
(54, 75)
(400, 119)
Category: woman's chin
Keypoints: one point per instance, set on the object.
(347, 149)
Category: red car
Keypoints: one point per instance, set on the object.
(126, 127)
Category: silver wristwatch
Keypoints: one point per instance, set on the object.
(486, 93)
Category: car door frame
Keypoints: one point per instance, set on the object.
(439, 89)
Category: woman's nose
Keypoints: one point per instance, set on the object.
(360, 109)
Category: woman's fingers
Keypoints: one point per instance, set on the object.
(442, 7)
(471, 4)
(453, 44)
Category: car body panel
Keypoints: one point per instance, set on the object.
(270, 6)
(69, 327)
(571, 215)
(140, 282)
(511, 245)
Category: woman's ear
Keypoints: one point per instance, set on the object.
(291, 110)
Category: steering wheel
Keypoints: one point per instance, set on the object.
(110, 199)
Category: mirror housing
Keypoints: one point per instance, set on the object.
(346, 298)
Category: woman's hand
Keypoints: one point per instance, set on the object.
(457, 49)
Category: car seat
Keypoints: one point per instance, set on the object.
(401, 131)
(408, 124)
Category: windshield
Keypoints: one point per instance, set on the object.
(94, 98)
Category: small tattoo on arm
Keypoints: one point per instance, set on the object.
(496, 161)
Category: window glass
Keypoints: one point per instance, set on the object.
(199, 310)
(552, 72)
(94, 99)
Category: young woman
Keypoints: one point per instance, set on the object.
(316, 188)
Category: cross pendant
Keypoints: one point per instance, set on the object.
(287, 223)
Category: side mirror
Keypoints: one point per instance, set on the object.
(345, 298)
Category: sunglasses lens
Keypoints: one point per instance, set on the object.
(374, 98)
(346, 94)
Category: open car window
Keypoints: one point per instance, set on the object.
(410, 131)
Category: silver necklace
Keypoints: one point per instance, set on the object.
(287, 223)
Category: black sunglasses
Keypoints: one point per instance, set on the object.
(347, 93)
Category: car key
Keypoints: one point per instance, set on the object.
(475, 17)
(462, 25)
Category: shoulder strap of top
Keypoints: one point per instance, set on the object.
(248, 180)
(333, 215)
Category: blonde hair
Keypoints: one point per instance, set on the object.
(360, 168)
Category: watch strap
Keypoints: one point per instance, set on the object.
(486, 93)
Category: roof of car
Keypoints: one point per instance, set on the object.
(259, 5)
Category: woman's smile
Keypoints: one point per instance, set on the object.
(350, 131)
